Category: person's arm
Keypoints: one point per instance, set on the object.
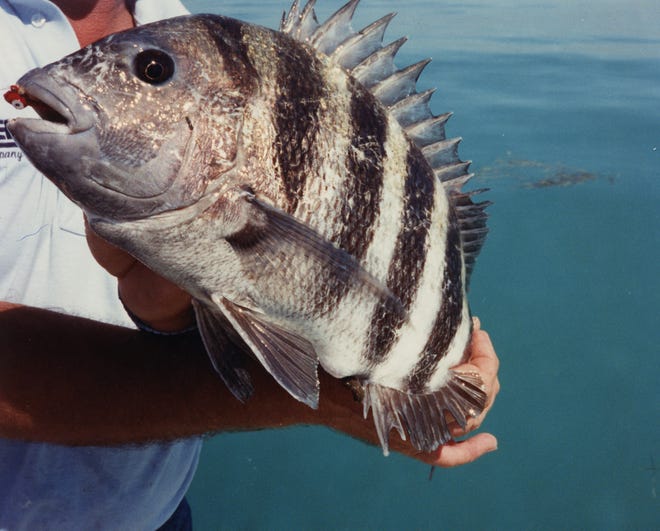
(75, 381)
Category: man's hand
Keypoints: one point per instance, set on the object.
(341, 413)
(153, 299)
(484, 361)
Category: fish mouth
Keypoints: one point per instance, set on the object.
(59, 113)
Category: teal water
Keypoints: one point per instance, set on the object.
(559, 107)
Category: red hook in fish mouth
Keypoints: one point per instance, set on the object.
(15, 97)
(20, 98)
(56, 105)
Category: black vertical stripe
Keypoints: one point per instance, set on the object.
(407, 265)
(364, 160)
(301, 87)
(227, 34)
(449, 316)
(362, 188)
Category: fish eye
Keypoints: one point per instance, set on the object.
(153, 66)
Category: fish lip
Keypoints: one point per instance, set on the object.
(75, 116)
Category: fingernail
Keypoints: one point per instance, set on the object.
(494, 447)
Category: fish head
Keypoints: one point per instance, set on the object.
(140, 122)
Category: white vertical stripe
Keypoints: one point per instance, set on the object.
(423, 311)
(388, 225)
(455, 350)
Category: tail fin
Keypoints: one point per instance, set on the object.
(422, 416)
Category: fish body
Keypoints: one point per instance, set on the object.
(295, 184)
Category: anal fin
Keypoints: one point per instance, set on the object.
(422, 416)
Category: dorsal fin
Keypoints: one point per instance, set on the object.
(472, 222)
(370, 62)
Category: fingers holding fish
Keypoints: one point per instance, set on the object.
(113, 259)
(485, 362)
(484, 358)
(460, 453)
(152, 299)
(451, 454)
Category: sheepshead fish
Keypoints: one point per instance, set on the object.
(296, 184)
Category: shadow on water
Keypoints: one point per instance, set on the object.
(538, 174)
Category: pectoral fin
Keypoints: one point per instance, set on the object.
(270, 233)
(288, 357)
(224, 352)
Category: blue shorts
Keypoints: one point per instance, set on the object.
(181, 520)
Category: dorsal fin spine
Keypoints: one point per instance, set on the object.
(329, 35)
(400, 84)
(428, 131)
(442, 153)
(379, 65)
(300, 25)
(362, 44)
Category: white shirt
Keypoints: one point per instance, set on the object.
(44, 262)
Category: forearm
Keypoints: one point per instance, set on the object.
(75, 381)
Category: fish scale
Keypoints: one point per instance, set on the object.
(304, 194)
